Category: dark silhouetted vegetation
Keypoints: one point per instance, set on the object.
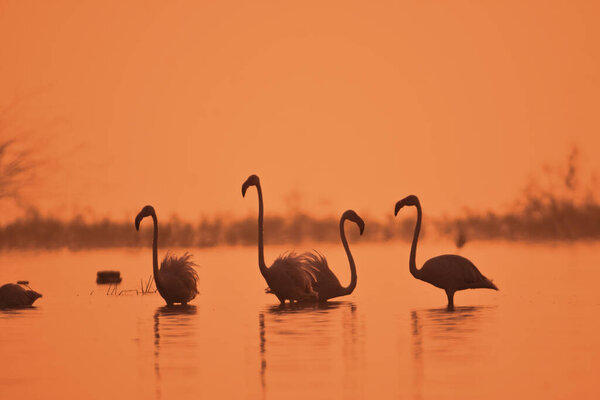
(39, 232)
(555, 205)
(18, 163)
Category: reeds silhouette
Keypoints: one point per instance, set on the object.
(146, 287)
(557, 205)
(35, 231)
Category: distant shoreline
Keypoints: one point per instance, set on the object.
(559, 222)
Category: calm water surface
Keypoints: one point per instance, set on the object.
(392, 338)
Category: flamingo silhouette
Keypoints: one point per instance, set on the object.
(176, 279)
(289, 277)
(13, 296)
(449, 271)
(328, 286)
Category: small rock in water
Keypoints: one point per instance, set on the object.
(108, 277)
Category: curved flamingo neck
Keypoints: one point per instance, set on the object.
(353, 277)
(261, 251)
(412, 265)
(155, 255)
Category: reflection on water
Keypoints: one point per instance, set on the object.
(174, 334)
(302, 338)
(448, 326)
(385, 341)
(263, 360)
(353, 353)
(28, 311)
(443, 334)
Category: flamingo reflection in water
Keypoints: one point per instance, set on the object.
(445, 335)
(306, 337)
(174, 327)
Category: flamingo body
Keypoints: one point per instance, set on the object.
(453, 272)
(14, 296)
(289, 277)
(176, 280)
(449, 272)
(328, 285)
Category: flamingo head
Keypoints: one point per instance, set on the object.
(353, 216)
(146, 211)
(411, 200)
(252, 180)
(33, 295)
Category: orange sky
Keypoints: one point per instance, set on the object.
(349, 104)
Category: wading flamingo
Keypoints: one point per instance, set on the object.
(176, 279)
(328, 285)
(449, 271)
(289, 277)
(13, 296)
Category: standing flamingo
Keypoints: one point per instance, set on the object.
(289, 277)
(449, 271)
(13, 296)
(176, 279)
(328, 285)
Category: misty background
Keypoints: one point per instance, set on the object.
(476, 109)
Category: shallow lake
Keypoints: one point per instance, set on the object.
(537, 337)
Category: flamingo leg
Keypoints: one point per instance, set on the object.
(450, 294)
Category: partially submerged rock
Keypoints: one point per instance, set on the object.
(108, 277)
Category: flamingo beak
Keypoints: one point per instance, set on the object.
(399, 205)
(361, 226)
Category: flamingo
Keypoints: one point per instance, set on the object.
(449, 272)
(289, 277)
(176, 279)
(13, 296)
(328, 285)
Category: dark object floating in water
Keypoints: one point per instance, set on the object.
(108, 277)
(23, 282)
(16, 296)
